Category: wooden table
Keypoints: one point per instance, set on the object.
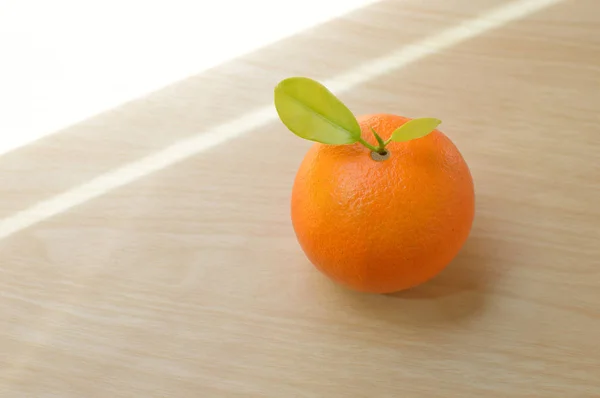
(148, 251)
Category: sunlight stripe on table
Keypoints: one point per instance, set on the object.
(218, 135)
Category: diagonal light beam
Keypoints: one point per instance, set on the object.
(181, 150)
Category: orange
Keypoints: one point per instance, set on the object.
(382, 226)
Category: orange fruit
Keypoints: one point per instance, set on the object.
(382, 226)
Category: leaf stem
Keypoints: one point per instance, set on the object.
(379, 139)
(369, 146)
(382, 144)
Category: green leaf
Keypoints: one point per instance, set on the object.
(415, 128)
(309, 110)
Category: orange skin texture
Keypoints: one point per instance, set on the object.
(383, 226)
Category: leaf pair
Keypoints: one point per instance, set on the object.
(311, 111)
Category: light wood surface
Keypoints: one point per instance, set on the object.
(188, 281)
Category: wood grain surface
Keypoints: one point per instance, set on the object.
(188, 281)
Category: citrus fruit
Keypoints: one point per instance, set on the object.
(384, 211)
